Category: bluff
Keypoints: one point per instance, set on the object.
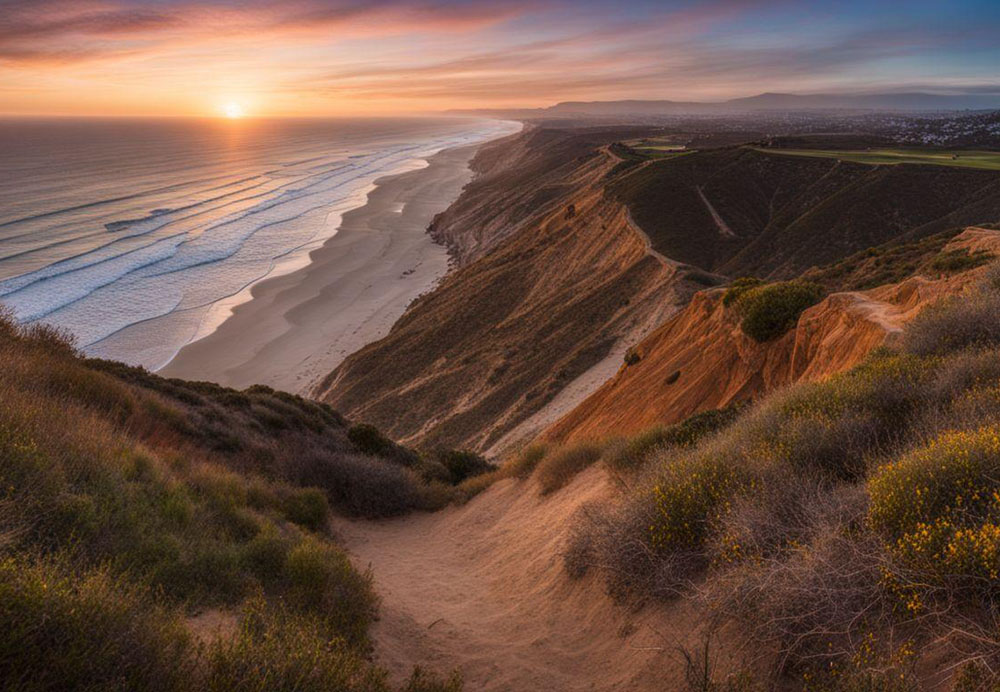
(551, 281)
(700, 359)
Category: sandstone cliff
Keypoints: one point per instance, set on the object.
(700, 359)
(511, 329)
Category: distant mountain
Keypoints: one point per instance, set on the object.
(910, 101)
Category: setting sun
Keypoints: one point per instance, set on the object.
(233, 110)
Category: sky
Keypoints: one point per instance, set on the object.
(353, 57)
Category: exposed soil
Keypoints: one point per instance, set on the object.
(482, 588)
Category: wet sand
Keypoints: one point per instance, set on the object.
(298, 327)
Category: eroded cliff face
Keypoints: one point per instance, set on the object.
(700, 359)
(519, 321)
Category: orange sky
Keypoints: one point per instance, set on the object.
(339, 57)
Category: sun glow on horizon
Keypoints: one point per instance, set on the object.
(233, 111)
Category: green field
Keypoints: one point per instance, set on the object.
(989, 160)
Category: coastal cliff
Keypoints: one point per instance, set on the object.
(508, 330)
(701, 360)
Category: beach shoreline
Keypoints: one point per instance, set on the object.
(297, 327)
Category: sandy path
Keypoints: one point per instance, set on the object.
(481, 588)
(300, 326)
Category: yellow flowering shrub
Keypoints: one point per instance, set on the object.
(939, 507)
(692, 492)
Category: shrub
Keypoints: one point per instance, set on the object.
(770, 310)
(369, 440)
(363, 486)
(632, 356)
(307, 507)
(952, 261)
(690, 495)
(323, 582)
(955, 324)
(524, 464)
(558, 468)
(613, 539)
(738, 287)
(278, 649)
(66, 630)
(637, 451)
(938, 508)
(463, 464)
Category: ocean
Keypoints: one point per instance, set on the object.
(139, 235)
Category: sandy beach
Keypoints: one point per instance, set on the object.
(297, 327)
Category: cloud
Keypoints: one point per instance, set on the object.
(420, 54)
(63, 30)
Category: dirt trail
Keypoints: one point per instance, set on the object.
(482, 588)
(724, 228)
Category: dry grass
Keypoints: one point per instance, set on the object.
(842, 524)
(559, 466)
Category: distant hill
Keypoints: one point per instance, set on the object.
(908, 101)
(745, 212)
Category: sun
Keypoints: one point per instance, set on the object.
(233, 110)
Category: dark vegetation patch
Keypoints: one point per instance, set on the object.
(790, 213)
(127, 501)
(843, 524)
(953, 261)
(876, 266)
(736, 289)
(769, 310)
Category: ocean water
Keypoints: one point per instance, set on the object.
(139, 236)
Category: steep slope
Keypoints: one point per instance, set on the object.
(518, 180)
(784, 216)
(511, 328)
(700, 359)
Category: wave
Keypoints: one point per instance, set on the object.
(199, 240)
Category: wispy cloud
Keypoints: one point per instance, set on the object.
(337, 55)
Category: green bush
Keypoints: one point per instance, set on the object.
(369, 440)
(770, 310)
(738, 287)
(463, 464)
(690, 494)
(65, 630)
(277, 649)
(307, 507)
(322, 581)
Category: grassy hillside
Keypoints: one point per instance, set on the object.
(784, 214)
(848, 528)
(128, 503)
(959, 158)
